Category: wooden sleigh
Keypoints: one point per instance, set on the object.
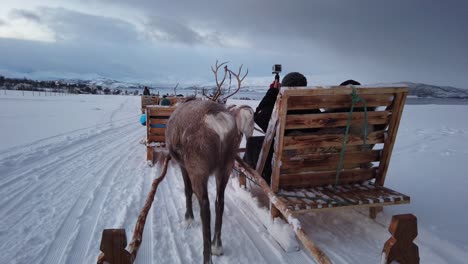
(307, 145)
(149, 100)
(156, 120)
(154, 100)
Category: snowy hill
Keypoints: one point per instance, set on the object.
(426, 90)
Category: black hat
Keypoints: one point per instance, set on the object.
(294, 79)
(350, 82)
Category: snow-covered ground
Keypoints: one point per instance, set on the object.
(71, 166)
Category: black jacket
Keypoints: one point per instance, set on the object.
(265, 108)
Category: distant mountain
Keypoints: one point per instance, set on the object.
(426, 90)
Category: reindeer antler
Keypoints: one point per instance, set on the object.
(239, 80)
(219, 85)
(218, 92)
(175, 89)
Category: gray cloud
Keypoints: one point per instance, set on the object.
(176, 31)
(2, 23)
(372, 41)
(71, 26)
(25, 14)
(397, 36)
(172, 31)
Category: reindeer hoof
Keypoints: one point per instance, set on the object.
(188, 223)
(216, 250)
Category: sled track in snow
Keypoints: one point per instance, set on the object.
(85, 172)
(83, 182)
(87, 207)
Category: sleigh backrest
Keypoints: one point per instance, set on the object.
(308, 126)
(156, 120)
(149, 100)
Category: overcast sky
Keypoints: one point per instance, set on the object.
(170, 41)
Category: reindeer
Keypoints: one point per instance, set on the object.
(203, 137)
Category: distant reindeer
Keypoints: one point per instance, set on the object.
(203, 137)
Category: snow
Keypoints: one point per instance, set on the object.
(71, 166)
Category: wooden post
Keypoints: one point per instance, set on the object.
(113, 245)
(400, 247)
(242, 181)
(373, 211)
(150, 154)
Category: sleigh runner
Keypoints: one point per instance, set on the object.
(317, 165)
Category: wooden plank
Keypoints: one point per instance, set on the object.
(113, 243)
(350, 207)
(337, 101)
(269, 135)
(331, 140)
(175, 100)
(157, 131)
(158, 121)
(145, 99)
(342, 196)
(326, 177)
(399, 103)
(150, 154)
(279, 144)
(340, 90)
(320, 167)
(150, 102)
(159, 110)
(336, 119)
(325, 160)
(297, 154)
(152, 138)
(359, 193)
(338, 199)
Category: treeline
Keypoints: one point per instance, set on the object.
(56, 86)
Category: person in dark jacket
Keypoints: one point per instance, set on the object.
(265, 107)
(165, 101)
(262, 117)
(146, 91)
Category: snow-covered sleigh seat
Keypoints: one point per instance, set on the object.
(307, 130)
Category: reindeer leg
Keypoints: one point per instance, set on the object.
(202, 194)
(188, 196)
(221, 181)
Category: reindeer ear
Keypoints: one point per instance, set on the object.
(244, 115)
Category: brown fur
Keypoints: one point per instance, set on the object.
(202, 151)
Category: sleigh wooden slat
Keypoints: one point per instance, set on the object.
(149, 100)
(332, 197)
(307, 132)
(328, 161)
(156, 121)
(321, 178)
(337, 101)
(335, 119)
(331, 140)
